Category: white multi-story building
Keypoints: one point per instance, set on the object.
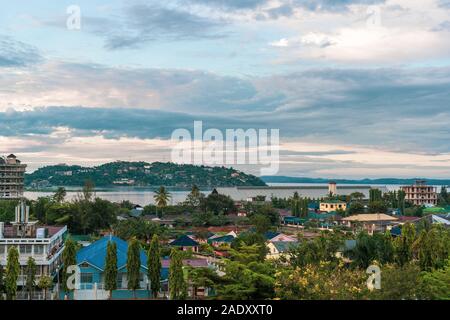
(12, 173)
(44, 243)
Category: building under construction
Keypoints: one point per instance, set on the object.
(12, 173)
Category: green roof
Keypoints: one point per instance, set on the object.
(437, 210)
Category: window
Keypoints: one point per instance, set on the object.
(2, 249)
(86, 277)
(38, 249)
(25, 249)
(119, 281)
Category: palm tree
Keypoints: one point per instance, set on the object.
(162, 197)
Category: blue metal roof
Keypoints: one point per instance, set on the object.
(184, 241)
(95, 253)
(225, 239)
(270, 235)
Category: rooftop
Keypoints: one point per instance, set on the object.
(8, 232)
(184, 241)
(369, 217)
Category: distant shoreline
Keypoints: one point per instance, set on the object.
(378, 181)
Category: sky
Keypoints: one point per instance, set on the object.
(357, 88)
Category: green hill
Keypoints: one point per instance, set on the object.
(140, 174)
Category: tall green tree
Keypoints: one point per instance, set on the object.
(177, 284)
(12, 273)
(162, 197)
(295, 205)
(30, 272)
(403, 245)
(433, 248)
(375, 195)
(133, 265)
(2, 282)
(111, 268)
(68, 259)
(194, 198)
(154, 266)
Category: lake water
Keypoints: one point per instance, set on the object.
(145, 196)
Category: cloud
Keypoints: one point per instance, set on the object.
(56, 83)
(143, 23)
(14, 53)
(332, 5)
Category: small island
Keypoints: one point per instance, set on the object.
(139, 174)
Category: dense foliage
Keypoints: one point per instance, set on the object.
(141, 174)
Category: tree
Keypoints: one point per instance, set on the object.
(60, 195)
(356, 207)
(88, 192)
(2, 282)
(201, 278)
(372, 248)
(111, 268)
(12, 273)
(246, 276)
(435, 285)
(68, 259)
(444, 198)
(177, 284)
(358, 196)
(295, 205)
(321, 281)
(404, 244)
(154, 266)
(218, 203)
(261, 222)
(375, 195)
(194, 198)
(433, 248)
(401, 196)
(45, 283)
(398, 283)
(133, 265)
(162, 197)
(377, 206)
(30, 272)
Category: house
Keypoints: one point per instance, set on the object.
(371, 222)
(283, 238)
(278, 249)
(217, 241)
(91, 261)
(332, 205)
(185, 243)
(442, 219)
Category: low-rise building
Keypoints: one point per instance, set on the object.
(278, 249)
(43, 243)
(92, 263)
(185, 243)
(332, 205)
(371, 222)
